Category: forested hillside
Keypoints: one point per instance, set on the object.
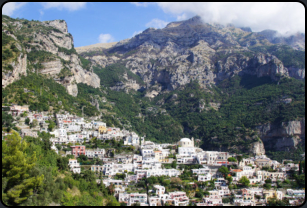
(31, 168)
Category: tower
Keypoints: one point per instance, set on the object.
(193, 141)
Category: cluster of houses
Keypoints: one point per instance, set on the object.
(71, 129)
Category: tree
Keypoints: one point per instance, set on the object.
(174, 164)
(268, 180)
(111, 189)
(82, 158)
(34, 122)
(239, 158)
(51, 125)
(232, 159)
(230, 179)
(267, 186)
(16, 165)
(27, 121)
(224, 170)
(244, 181)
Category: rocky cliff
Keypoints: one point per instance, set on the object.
(194, 50)
(43, 47)
(282, 137)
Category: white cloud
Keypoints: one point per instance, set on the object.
(156, 23)
(136, 32)
(142, 4)
(281, 16)
(71, 6)
(10, 7)
(105, 38)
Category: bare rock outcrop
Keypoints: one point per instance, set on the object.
(19, 68)
(284, 136)
(257, 148)
(51, 37)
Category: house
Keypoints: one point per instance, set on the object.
(203, 170)
(272, 193)
(102, 129)
(113, 168)
(123, 198)
(74, 166)
(263, 162)
(132, 139)
(296, 193)
(204, 177)
(224, 191)
(159, 189)
(247, 171)
(28, 132)
(119, 185)
(161, 156)
(94, 153)
(78, 150)
(272, 175)
(96, 124)
(179, 197)
(17, 109)
(214, 199)
(136, 197)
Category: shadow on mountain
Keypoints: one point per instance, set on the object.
(251, 81)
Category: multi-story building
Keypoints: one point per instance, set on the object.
(74, 166)
(179, 197)
(131, 139)
(214, 199)
(204, 177)
(137, 198)
(203, 170)
(78, 150)
(94, 153)
(112, 168)
(119, 185)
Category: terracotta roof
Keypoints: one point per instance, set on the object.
(236, 170)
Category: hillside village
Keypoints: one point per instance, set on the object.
(141, 172)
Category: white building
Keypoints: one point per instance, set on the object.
(74, 166)
(204, 177)
(179, 197)
(132, 139)
(94, 153)
(214, 199)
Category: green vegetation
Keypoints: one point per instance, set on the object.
(46, 92)
(86, 64)
(286, 54)
(112, 74)
(44, 179)
(244, 181)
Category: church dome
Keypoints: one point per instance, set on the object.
(185, 140)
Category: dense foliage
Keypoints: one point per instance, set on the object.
(113, 74)
(43, 93)
(35, 175)
(286, 54)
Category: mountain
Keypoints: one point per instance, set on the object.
(45, 48)
(188, 50)
(232, 88)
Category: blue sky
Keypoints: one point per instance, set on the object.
(94, 22)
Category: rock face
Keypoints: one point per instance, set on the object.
(257, 148)
(52, 38)
(19, 68)
(282, 137)
(194, 50)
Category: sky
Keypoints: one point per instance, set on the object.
(104, 22)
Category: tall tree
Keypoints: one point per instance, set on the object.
(16, 165)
